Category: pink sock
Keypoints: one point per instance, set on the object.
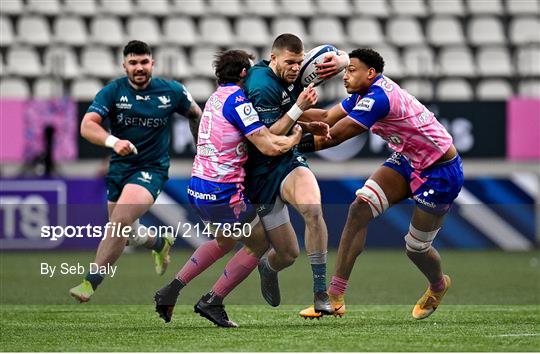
(437, 286)
(337, 286)
(238, 269)
(203, 257)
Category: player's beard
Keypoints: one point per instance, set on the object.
(136, 78)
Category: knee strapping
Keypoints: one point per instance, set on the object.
(419, 241)
(374, 196)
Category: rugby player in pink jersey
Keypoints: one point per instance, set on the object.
(216, 187)
(425, 166)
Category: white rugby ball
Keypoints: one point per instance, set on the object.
(315, 56)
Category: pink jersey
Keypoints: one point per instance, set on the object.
(399, 118)
(227, 119)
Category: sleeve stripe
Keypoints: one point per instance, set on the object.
(255, 130)
(357, 122)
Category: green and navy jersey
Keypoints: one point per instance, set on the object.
(272, 98)
(143, 117)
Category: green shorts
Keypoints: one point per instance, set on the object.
(152, 180)
(263, 188)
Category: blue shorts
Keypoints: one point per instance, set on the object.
(433, 189)
(220, 202)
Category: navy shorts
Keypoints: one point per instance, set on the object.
(151, 179)
(433, 189)
(220, 202)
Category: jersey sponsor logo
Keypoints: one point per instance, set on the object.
(199, 195)
(146, 177)
(241, 149)
(123, 104)
(165, 100)
(393, 139)
(149, 122)
(285, 98)
(206, 150)
(365, 104)
(247, 113)
(215, 102)
(142, 98)
(395, 159)
(424, 202)
(239, 99)
(266, 109)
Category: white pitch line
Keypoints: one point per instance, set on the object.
(516, 335)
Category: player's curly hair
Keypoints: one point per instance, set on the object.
(369, 57)
(228, 65)
(137, 48)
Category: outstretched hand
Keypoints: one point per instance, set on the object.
(317, 128)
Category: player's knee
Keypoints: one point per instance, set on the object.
(225, 243)
(373, 195)
(289, 257)
(417, 241)
(311, 213)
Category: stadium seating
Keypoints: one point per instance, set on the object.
(444, 31)
(70, 30)
(493, 90)
(179, 31)
(14, 87)
(496, 41)
(106, 30)
(6, 32)
(84, 89)
(454, 90)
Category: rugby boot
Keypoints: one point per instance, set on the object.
(321, 306)
(162, 258)
(211, 307)
(269, 283)
(429, 302)
(82, 292)
(165, 299)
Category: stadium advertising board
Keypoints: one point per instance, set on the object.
(27, 125)
(484, 207)
(466, 121)
(523, 129)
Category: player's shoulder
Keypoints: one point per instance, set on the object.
(173, 85)
(384, 85)
(116, 85)
(236, 97)
(260, 75)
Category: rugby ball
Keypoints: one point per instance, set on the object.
(315, 56)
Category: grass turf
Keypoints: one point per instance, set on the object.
(493, 306)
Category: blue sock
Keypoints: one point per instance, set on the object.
(94, 279)
(319, 277)
(318, 267)
(158, 245)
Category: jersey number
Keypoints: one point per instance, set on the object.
(206, 126)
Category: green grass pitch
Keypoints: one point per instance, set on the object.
(494, 305)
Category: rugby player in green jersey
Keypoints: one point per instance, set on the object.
(272, 182)
(139, 108)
